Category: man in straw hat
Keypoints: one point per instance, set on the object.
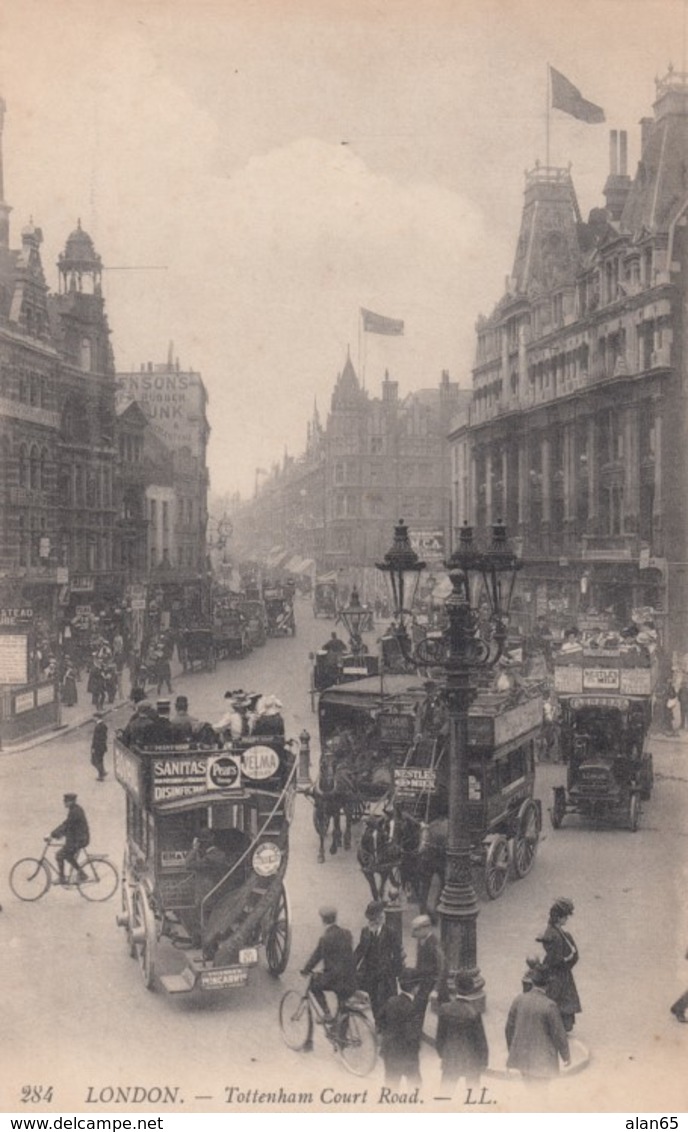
(430, 963)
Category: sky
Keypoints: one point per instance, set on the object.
(283, 163)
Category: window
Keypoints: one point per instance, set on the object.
(34, 468)
(376, 445)
(85, 355)
(23, 467)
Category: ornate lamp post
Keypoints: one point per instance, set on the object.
(402, 568)
(353, 616)
(482, 583)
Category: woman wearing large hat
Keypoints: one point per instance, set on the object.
(561, 955)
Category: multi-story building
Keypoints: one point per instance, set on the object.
(578, 429)
(172, 482)
(86, 404)
(56, 425)
(376, 460)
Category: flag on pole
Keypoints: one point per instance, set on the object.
(378, 324)
(567, 97)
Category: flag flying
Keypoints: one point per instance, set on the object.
(378, 324)
(567, 97)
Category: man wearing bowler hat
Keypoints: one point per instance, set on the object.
(378, 958)
(336, 954)
(76, 835)
(535, 1034)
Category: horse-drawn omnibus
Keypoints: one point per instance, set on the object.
(385, 748)
(605, 694)
(207, 845)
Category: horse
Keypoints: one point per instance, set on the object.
(389, 850)
(333, 794)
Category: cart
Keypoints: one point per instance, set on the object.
(197, 650)
(253, 611)
(325, 599)
(206, 935)
(279, 610)
(606, 708)
(230, 634)
(394, 735)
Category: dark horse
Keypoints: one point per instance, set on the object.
(333, 795)
(388, 852)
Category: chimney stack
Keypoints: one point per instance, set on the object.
(623, 153)
(613, 148)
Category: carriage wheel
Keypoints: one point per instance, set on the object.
(278, 941)
(497, 867)
(143, 922)
(634, 813)
(556, 814)
(526, 838)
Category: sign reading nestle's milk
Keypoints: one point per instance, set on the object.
(174, 402)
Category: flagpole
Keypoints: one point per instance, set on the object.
(547, 120)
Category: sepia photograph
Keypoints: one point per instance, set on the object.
(343, 559)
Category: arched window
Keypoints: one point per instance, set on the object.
(23, 466)
(43, 469)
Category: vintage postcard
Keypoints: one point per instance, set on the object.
(297, 300)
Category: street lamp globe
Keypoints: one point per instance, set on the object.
(402, 568)
(353, 616)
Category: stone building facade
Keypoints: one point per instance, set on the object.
(577, 434)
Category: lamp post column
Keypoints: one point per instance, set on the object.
(458, 905)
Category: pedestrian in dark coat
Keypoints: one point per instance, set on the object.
(99, 746)
(460, 1039)
(69, 694)
(430, 965)
(535, 1034)
(401, 1027)
(561, 955)
(378, 958)
(96, 686)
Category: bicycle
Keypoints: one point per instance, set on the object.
(349, 1032)
(31, 877)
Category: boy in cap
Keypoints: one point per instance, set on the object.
(76, 835)
(336, 953)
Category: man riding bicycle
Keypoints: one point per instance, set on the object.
(336, 953)
(76, 835)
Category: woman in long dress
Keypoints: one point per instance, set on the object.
(561, 956)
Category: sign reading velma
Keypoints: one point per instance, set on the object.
(174, 403)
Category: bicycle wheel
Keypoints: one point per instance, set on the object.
(101, 880)
(295, 1019)
(29, 878)
(358, 1044)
